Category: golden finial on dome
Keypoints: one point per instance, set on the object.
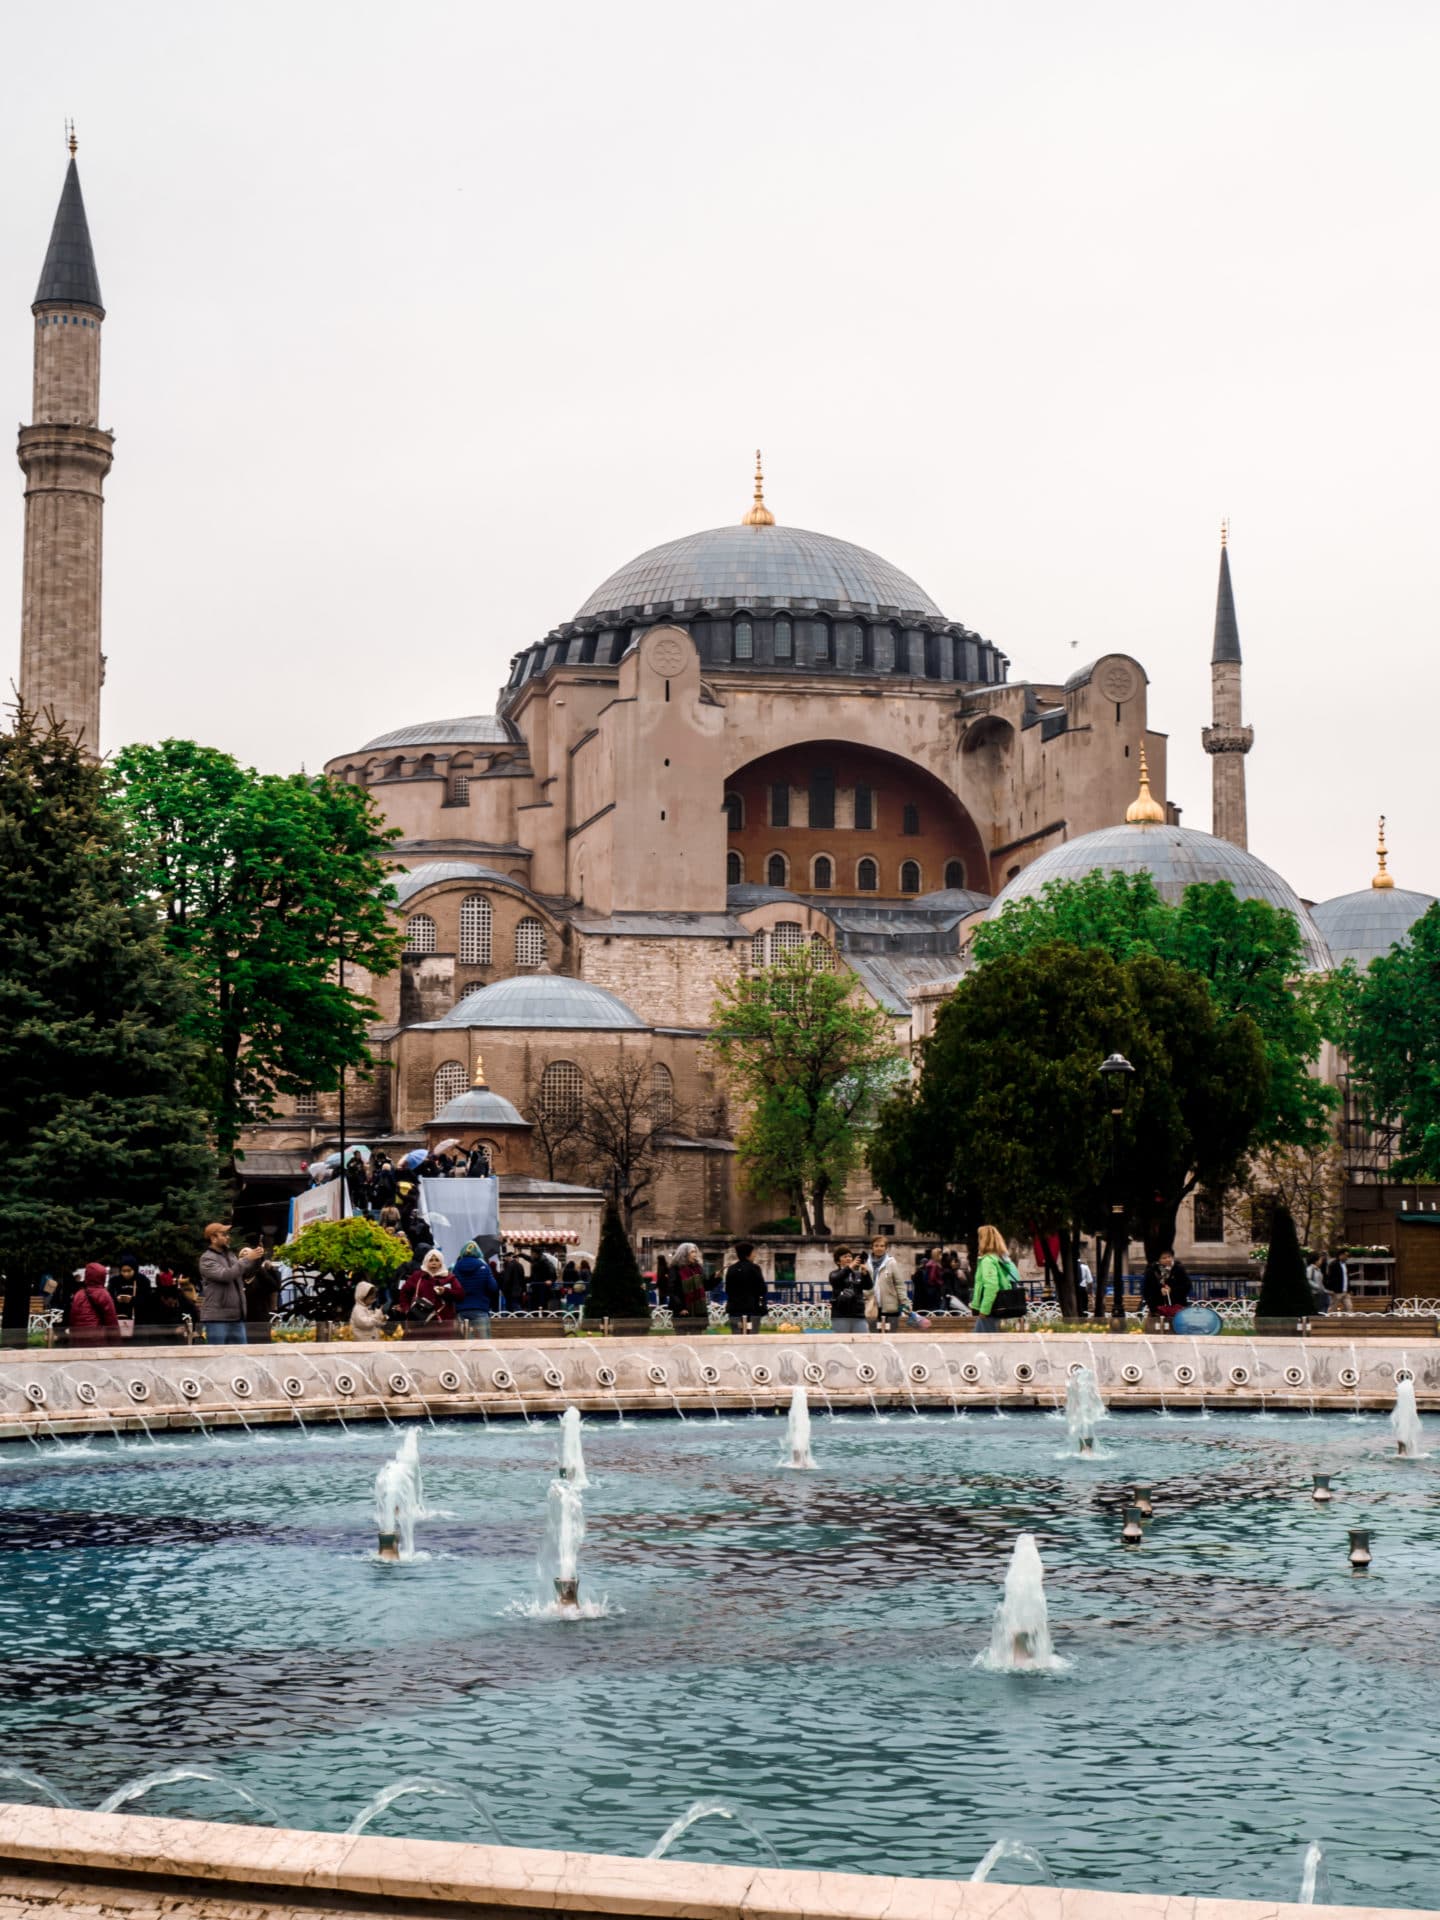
(1382, 878)
(479, 1080)
(70, 140)
(759, 514)
(1145, 810)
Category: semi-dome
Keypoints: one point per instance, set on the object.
(541, 1000)
(433, 873)
(467, 730)
(784, 566)
(1176, 858)
(1361, 926)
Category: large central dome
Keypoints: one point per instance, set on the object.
(786, 566)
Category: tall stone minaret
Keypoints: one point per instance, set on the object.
(65, 457)
(1226, 740)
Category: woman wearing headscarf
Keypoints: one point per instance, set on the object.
(428, 1295)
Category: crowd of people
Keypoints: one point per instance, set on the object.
(237, 1293)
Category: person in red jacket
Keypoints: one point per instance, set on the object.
(427, 1296)
(91, 1320)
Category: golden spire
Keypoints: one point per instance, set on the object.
(70, 140)
(1145, 810)
(759, 514)
(479, 1080)
(1382, 878)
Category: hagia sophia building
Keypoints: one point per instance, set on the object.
(746, 741)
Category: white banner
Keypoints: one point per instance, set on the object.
(318, 1203)
(461, 1210)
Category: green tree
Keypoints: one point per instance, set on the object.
(1284, 1290)
(101, 1129)
(1394, 1046)
(354, 1249)
(1007, 1120)
(262, 883)
(810, 1058)
(1248, 952)
(617, 1290)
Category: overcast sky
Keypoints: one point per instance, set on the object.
(423, 318)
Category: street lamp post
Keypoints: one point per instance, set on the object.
(1116, 1075)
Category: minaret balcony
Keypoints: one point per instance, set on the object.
(1227, 739)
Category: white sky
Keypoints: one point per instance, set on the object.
(423, 318)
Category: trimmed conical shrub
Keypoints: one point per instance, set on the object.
(617, 1291)
(1284, 1291)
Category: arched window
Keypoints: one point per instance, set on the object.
(787, 937)
(529, 942)
(822, 873)
(420, 934)
(784, 642)
(955, 873)
(476, 921)
(910, 876)
(734, 813)
(424, 765)
(757, 950)
(744, 640)
(822, 798)
(662, 1095)
(910, 821)
(822, 954)
(776, 872)
(460, 785)
(562, 1087)
(820, 641)
(395, 768)
(867, 877)
(734, 869)
(451, 1080)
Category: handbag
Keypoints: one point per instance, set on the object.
(1010, 1302)
(872, 1306)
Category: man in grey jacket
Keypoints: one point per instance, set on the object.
(222, 1286)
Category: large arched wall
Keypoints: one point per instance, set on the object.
(914, 821)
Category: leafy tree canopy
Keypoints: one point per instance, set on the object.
(1249, 953)
(810, 1058)
(102, 1132)
(357, 1249)
(1394, 1045)
(1008, 1120)
(260, 881)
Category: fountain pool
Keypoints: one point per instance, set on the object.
(798, 1646)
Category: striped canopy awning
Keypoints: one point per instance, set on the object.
(541, 1236)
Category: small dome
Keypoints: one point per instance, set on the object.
(541, 1000)
(1176, 858)
(415, 879)
(785, 565)
(478, 1107)
(1361, 926)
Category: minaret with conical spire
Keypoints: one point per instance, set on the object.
(65, 456)
(1226, 740)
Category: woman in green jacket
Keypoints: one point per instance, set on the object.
(994, 1271)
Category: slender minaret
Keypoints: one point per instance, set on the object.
(65, 457)
(1226, 739)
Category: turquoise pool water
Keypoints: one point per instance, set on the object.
(799, 1645)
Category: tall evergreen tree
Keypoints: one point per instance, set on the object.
(1284, 1291)
(617, 1291)
(102, 1137)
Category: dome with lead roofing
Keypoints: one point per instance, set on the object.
(541, 1000)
